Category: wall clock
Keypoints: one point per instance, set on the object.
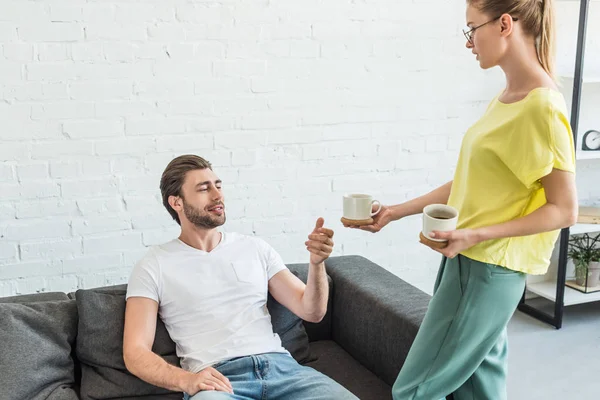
(591, 140)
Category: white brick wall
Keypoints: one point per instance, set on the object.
(295, 103)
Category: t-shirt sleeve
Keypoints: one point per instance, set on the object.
(545, 144)
(144, 279)
(273, 261)
(562, 145)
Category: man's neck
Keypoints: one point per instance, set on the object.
(201, 239)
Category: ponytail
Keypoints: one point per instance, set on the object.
(546, 46)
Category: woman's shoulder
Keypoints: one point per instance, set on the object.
(545, 97)
(541, 104)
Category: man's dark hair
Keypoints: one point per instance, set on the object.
(173, 177)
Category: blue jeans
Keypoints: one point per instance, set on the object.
(274, 376)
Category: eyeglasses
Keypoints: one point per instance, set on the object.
(469, 34)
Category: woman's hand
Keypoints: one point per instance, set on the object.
(384, 217)
(458, 241)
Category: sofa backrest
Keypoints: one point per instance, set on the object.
(35, 297)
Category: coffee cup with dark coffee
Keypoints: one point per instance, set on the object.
(439, 217)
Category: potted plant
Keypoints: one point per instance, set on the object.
(585, 254)
(594, 268)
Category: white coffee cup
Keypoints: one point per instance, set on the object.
(439, 217)
(359, 207)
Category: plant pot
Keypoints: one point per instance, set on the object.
(580, 276)
(581, 272)
(594, 274)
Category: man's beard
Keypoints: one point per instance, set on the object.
(202, 219)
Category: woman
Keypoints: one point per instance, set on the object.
(514, 188)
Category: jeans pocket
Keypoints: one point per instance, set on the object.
(464, 272)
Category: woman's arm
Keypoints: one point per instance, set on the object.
(411, 207)
(416, 206)
(560, 211)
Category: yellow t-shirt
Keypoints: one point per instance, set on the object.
(502, 159)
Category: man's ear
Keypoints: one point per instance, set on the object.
(176, 203)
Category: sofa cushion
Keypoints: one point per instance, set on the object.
(335, 362)
(36, 342)
(100, 347)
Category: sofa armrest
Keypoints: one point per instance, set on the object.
(376, 315)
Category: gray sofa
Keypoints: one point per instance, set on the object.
(60, 346)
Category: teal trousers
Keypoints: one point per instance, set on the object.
(461, 346)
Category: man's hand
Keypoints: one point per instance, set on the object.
(320, 243)
(458, 240)
(208, 379)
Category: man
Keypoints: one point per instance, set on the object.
(210, 289)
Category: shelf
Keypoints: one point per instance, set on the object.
(590, 80)
(579, 229)
(547, 289)
(587, 155)
(586, 78)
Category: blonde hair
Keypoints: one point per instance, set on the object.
(537, 18)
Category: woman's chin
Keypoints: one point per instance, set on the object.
(484, 65)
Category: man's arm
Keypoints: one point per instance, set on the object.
(309, 301)
(141, 361)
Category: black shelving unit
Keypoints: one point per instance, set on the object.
(556, 318)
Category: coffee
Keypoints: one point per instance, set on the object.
(441, 215)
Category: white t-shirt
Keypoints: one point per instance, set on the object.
(213, 304)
